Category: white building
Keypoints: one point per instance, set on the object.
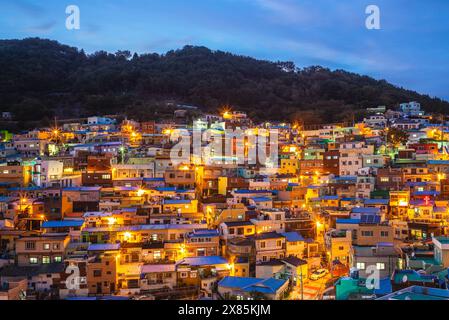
(351, 157)
(412, 109)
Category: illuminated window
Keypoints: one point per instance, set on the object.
(46, 246)
(380, 266)
(361, 265)
(45, 259)
(58, 259)
(33, 260)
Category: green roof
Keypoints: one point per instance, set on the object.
(416, 297)
(443, 240)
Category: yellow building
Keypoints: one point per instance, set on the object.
(288, 166)
(399, 202)
(339, 246)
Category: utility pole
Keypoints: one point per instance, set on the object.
(302, 286)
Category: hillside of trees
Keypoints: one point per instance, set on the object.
(40, 79)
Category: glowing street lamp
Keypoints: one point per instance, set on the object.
(127, 236)
(140, 192)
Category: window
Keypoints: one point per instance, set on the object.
(279, 243)
(97, 273)
(33, 260)
(135, 257)
(157, 255)
(30, 245)
(367, 233)
(46, 246)
(341, 248)
(231, 231)
(45, 259)
(384, 179)
(262, 244)
(240, 231)
(384, 233)
(106, 176)
(380, 266)
(56, 246)
(183, 275)
(361, 265)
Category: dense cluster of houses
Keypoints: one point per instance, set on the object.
(98, 209)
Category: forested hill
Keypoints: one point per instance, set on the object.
(41, 78)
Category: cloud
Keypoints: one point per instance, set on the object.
(335, 56)
(28, 8)
(45, 27)
(286, 11)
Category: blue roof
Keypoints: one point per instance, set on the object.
(82, 189)
(177, 201)
(244, 191)
(330, 197)
(63, 224)
(340, 178)
(262, 199)
(348, 221)
(204, 233)
(417, 184)
(348, 199)
(162, 189)
(376, 201)
(366, 210)
(154, 179)
(24, 189)
(266, 286)
(426, 193)
(81, 298)
(437, 162)
(204, 261)
(385, 287)
(292, 236)
(104, 247)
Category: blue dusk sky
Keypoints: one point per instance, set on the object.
(410, 50)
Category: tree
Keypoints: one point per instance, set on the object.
(69, 83)
(396, 137)
(256, 295)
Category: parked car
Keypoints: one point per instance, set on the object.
(318, 274)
